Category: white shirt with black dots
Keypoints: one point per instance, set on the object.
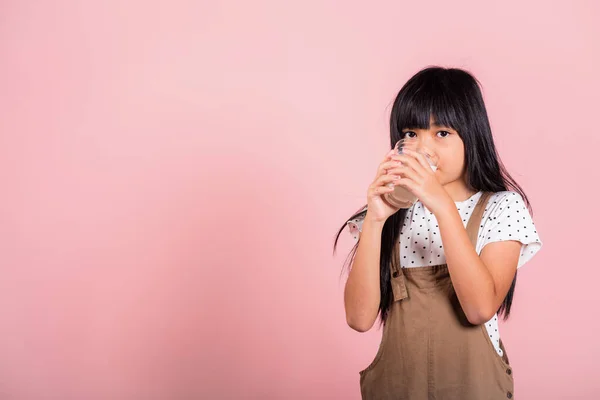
(505, 217)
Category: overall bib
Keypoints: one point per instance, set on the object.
(429, 350)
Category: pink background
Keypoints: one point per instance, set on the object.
(173, 174)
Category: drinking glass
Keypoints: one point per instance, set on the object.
(402, 197)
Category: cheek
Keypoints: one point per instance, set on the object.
(452, 163)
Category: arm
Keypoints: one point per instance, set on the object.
(480, 282)
(362, 294)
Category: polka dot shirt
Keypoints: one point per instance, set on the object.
(505, 218)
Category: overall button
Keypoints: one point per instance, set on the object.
(509, 395)
(508, 371)
(395, 274)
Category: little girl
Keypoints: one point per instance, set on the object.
(439, 273)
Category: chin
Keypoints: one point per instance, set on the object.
(445, 180)
(442, 179)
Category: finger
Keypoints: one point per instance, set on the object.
(382, 186)
(421, 159)
(383, 167)
(386, 179)
(388, 155)
(378, 191)
(386, 182)
(406, 171)
(411, 162)
(391, 164)
(408, 184)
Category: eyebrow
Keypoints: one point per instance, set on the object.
(435, 126)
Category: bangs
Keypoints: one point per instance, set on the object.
(430, 97)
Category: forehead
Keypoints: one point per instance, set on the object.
(433, 125)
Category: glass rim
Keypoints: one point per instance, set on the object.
(432, 159)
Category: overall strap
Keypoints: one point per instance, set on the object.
(398, 280)
(475, 220)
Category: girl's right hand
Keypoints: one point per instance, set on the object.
(377, 208)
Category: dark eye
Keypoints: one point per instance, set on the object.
(443, 134)
(410, 134)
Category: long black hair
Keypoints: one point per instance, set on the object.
(453, 98)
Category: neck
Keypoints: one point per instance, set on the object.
(459, 191)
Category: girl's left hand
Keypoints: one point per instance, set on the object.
(418, 177)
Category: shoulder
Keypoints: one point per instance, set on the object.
(504, 202)
(507, 217)
(507, 196)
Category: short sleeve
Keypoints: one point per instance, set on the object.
(355, 226)
(506, 217)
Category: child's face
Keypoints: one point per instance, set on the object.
(447, 145)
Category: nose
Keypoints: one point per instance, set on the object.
(425, 144)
